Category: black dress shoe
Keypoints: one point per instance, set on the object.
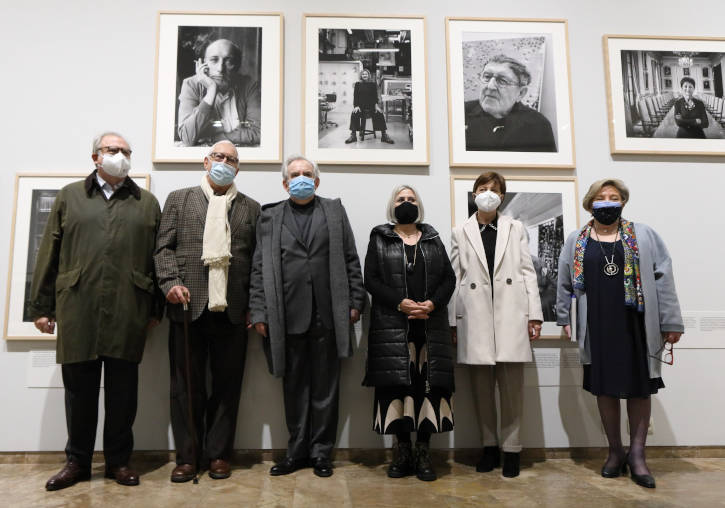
(322, 467)
(490, 460)
(351, 139)
(123, 475)
(511, 464)
(615, 472)
(643, 480)
(386, 139)
(71, 474)
(287, 466)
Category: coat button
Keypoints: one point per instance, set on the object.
(473, 285)
(508, 281)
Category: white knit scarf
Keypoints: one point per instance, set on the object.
(217, 243)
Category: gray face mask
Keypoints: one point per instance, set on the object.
(116, 165)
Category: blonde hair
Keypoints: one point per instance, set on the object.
(597, 187)
(391, 203)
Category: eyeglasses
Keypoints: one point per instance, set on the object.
(113, 150)
(669, 354)
(221, 157)
(500, 81)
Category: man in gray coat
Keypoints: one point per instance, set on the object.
(306, 292)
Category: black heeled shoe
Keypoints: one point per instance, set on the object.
(643, 480)
(615, 472)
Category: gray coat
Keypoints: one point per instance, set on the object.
(266, 295)
(661, 307)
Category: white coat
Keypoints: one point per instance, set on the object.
(494, 327)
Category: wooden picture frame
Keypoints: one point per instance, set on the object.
(544, 204)
(335, 50)
(649, 121)
(185, 124)
(34, 195)
(527, 120)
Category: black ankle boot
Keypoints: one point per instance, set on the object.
(490, 460)
(511, 464)
(403, 463)
(423, 466)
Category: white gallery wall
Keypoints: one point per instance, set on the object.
(73, 69)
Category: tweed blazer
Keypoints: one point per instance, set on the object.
(179, 246)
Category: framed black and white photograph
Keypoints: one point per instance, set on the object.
(665, 94)
(509, 99)
(548, 208)
(34, 197)
(218, 77)
(365, 90)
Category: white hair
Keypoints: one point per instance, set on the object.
(391, 203)
(211, 149)
(98, 139)
(293, 158)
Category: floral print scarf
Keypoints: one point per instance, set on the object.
(633, 296)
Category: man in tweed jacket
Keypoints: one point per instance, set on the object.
(221, 335)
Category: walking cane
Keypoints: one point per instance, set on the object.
(192, 424)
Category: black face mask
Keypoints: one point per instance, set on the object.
(406, 212)
(607, 215)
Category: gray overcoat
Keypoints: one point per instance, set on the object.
(266, 296)
(661, 307)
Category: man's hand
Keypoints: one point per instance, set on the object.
(202, 72)
(153, 323)
(356, 109)
(567, 330)
(178, 294)
(45, 325)
(261, 329)
(354, 315)
(534, 329)
(454, 335)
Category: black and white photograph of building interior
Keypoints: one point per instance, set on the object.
(365, 89)
(673, 94)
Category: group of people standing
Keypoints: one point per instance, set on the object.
(221, 264)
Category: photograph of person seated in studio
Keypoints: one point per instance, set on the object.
(365, 89)
(673, 94)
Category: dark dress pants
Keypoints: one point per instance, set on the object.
(212, 336)
(82, 382)
(358, 120)
(311, 387)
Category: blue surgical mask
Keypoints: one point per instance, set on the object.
(302, 187)
(222, 173)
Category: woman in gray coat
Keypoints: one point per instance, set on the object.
(627, 315)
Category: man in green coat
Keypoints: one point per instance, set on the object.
(95, 277)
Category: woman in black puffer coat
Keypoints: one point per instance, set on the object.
(410, 353)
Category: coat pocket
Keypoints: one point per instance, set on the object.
(67, 280)
(142, 281)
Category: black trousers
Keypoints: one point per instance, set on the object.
(358, 120)
(82, 383)
(311, 387)
(211, 337)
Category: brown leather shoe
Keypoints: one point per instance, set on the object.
(183, 473)
(220, 469)
(71, 474)
(123, 475)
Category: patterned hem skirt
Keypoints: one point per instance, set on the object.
(402, 409)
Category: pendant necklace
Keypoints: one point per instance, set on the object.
(408, 265)
(610, 267)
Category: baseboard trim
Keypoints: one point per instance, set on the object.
(464, 455)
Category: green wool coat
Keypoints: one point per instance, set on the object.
(95, 272)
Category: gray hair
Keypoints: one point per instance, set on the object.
(391, 203)
(293, 158)
(519, 69)
(97, 140)
(211, 148)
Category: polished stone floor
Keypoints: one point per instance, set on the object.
(681, 482)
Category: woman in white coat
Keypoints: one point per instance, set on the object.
(494, 313)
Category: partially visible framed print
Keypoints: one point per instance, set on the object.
(548, 208)
(34, 197)
(218, 77)
(665, 94)
(365, 90)
(509, 93)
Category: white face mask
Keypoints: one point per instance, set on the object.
(488, 201)
(116, 165)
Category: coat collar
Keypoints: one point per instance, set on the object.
(428, 232)
(472, 230)
(91, 183)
